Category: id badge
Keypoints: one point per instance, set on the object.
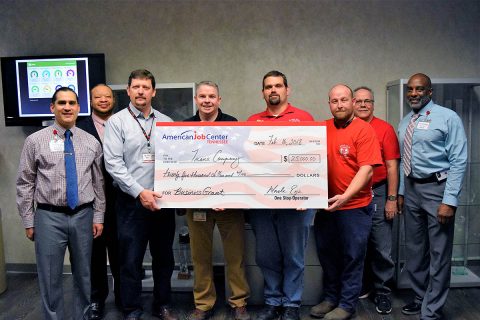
(441, 176)
(56, 145)
(423, 125)
(148, 158)
(199, 216)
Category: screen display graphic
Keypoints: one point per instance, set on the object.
(37, 80)
(28, 83)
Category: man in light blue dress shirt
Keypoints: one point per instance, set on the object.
(429, 194)
(129, 158)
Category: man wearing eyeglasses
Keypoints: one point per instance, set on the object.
(379, 266)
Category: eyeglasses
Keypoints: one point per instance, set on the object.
(366, 102)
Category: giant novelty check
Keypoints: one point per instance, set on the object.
(241, 164)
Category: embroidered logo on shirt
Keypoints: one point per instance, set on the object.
(344, 150)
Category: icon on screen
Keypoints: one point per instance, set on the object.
(71, 86)
(35, 89)
(70, 73)
(58, 74)
(46, 74)
(34, 74)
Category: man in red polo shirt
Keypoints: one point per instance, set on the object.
(341, 230)
(281, 234)
(379, 266)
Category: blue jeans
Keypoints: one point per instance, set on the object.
(281, 239)
(341, 239)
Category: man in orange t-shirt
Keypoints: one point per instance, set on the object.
(341, 230)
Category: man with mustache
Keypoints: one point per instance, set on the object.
(379, 267)
(433, 164)
(342, 229)
(281, 234)
(130, 159)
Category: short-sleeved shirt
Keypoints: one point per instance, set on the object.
(348, 149)
(388, 147)
(291, 114)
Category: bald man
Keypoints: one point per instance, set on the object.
(433, 164)
(102, 102)
(341, 230)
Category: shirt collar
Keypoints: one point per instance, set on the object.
(98, 120)
(218, 118)
(138, 113)
(219, 115)
(269, 114)
(424, 111)
(427, 109)
(61, 130)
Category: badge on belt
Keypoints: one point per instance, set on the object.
(200, 215)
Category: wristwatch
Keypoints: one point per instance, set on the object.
(392, 198)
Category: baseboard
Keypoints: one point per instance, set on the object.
(29, 268)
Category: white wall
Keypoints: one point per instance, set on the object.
(316, 43)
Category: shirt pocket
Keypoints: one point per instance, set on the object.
(430, 140)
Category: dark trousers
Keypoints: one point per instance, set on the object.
(379, 265)
(106, 243)
(138, 227)
(341, 239)
(429, 246)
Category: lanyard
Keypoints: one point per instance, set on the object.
(147, 136)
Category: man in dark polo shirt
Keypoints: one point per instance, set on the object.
(230, 223)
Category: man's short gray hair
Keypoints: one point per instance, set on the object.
(365, 88)
(206, 83)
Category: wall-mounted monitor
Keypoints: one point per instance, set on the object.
(173, 99)
(29, 82)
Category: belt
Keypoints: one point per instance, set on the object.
(430, 179)
(379, 184)
(66, 210)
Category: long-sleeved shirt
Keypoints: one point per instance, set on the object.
(124, 147)
(439, 144)
(41, 173)
(99, 125)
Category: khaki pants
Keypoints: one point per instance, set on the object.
(232, 231)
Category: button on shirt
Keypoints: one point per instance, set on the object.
(438, 144)
(124, 146)
(41, 173)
